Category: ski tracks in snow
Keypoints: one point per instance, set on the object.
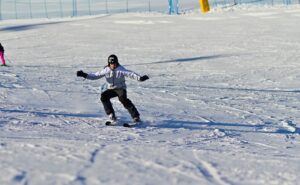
(209, 171)
(80, 178)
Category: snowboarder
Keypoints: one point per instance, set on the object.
(2, 55)
(115, 79)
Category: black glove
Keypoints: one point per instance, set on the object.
(82, 74)
(143, 78)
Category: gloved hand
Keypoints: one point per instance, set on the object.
(82, 74)
(143, 78)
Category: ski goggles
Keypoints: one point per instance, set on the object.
(111, 61)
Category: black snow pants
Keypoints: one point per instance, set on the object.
(122, 95)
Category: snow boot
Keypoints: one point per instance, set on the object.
(112, 117)
(136, 119)
(112, 120)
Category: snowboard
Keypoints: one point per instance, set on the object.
(123, 123)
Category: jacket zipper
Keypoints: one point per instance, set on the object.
(113, 72)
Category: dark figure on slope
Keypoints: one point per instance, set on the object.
(2, 55)
(115, 75)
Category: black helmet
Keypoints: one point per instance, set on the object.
(112, 59)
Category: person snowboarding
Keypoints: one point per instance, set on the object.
(115, 74)
(2, 55)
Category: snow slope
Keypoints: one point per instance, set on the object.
(221, 106)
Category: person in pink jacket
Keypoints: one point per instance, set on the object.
(2, 55)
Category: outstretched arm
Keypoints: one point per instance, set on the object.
(82, 74)
(133, 75)
(144, 78)
(95, 76)
(90, 76)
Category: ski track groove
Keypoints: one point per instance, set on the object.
(250, 112)
(209, 172)
(36, 90)
(168, 170)
(262, 145)
(81, 179)
(19, 178)
(261, 118)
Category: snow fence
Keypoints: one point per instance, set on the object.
(29, 9)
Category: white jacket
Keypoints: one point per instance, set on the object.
(114, 78)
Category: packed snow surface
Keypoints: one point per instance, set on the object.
(222, 105)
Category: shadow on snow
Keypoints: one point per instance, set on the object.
(231, 127)
(45, 114)
(25, 27)
(246, 89)
(177, 124)
(189, 59)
